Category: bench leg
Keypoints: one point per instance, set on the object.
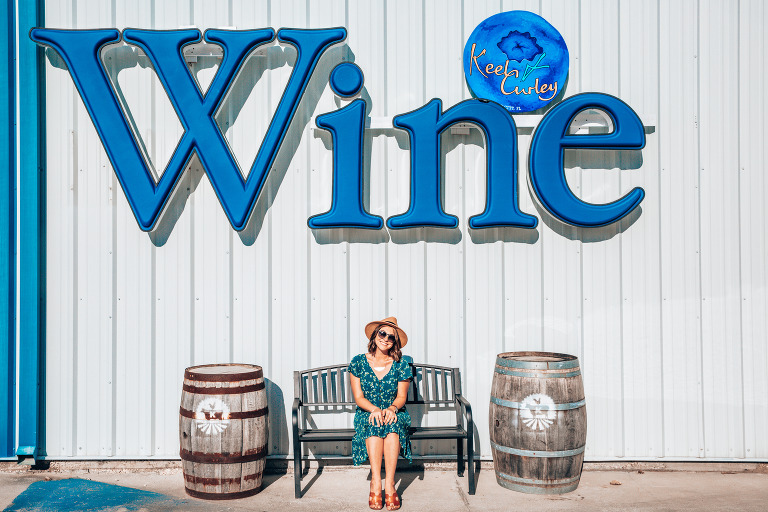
(296, 465)
(471, 460)
(460, 456)
(297, 472)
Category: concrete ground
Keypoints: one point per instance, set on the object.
(635, 486)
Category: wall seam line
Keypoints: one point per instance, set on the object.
(660, 231)
(702, 429)
(739, 231)
(622, 297)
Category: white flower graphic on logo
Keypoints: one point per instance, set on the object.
(212, 415)
(538, 411)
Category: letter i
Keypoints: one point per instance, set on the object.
(346, 127)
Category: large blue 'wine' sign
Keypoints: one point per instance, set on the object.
(516, 59)
(532, 73)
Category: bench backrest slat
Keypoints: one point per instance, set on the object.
(338, 391)
(330, 385)
(444, 382)
(418, 384)
(425, 377)
(325, 378)
(312, 387)
(412, 389)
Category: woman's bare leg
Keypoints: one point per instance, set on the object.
(391, 451)
(375, 446)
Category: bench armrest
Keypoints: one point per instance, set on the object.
(295, 413)
(466, 408)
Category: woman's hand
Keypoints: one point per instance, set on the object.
(390, 416)
(376, 418)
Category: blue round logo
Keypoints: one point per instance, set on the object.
(516, 59)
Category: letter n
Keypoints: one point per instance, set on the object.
(424, 127)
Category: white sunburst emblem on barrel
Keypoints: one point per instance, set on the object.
(538, 411)
(212, 415)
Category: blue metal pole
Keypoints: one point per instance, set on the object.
(31, 126)
(7, 230)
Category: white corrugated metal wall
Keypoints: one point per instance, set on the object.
(667, 314)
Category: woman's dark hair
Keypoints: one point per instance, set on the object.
(394, 350)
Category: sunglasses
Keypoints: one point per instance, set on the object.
(385, 336)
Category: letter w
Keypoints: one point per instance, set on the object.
(80, 50)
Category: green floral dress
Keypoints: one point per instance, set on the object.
(380, 393)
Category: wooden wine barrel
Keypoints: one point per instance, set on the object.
(223, 430)
(538, 422)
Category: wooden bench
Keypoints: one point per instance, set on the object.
(328, 389)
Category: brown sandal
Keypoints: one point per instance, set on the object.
(374, 501)
(392, 501)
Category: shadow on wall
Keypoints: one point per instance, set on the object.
(304, 112)
(336, 235)
(448, 143)
(120, 57)
(278, 423)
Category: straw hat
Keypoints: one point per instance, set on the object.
(390, 321)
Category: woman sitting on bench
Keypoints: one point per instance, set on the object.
(380, 380)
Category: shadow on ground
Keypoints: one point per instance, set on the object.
(75, 494)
